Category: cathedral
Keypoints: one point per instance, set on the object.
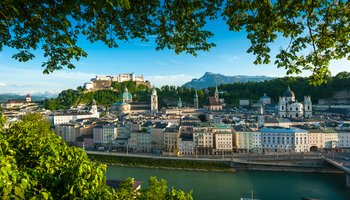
(288, 106)
(128, 106)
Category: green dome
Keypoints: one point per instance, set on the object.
(126, 96)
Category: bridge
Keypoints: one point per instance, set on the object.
(342, 164)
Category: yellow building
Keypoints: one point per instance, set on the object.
(246, 140)
(171, 139)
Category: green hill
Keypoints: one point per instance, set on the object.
(169, 95)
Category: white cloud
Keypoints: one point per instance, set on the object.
(337, 66)
(72, 75)
(176, 79)
(2, 84)
(19, 80)
(229, 58)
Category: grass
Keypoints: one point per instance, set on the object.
(162, 163)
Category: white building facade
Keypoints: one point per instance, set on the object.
(278, 139)
(65, 118)
(344, 138)
(288, 106)
(186, 146)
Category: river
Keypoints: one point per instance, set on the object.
(264, 185)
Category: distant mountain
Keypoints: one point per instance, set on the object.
(4, 97)
(211, 79)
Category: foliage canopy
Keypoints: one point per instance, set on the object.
(318, 30)
(37, 164)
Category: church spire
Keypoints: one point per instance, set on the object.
(154, 101)
(216, 94)
(179, 103)
(195, 101)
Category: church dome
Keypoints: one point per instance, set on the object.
(288, 93)
(126, 96)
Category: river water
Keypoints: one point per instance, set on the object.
(263, 185)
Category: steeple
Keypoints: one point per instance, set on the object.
(28, 98)
(216, 94)
(93, 109)
(179, 103)
(154, 101)
(154, 91)
(195, 101)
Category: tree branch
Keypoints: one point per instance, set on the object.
(310, 30)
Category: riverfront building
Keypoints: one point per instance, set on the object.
(212, 139)
(344, 138)
(247, 140)
(278, 139)
(186, 146)
(105, 135)
(223, 143)
(171, 139)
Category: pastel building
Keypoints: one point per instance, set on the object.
(203, 141)
(246, 140)
(171, 139)
(104, 135)
(223, 142)
(279, 139)
(344, 138)
(186, 145)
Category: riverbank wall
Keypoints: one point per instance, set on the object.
(298, 164)
(305, 165)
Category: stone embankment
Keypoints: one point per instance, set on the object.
(287, 162)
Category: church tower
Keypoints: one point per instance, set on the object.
(28, 98)
(216, 94)
(154, 101)
(93, 109)
(307, 107)
(195, 101)
(179, 103)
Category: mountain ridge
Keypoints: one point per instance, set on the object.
(210, 79)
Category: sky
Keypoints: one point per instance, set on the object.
(162, 67)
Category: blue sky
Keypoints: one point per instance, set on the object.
(229, 57)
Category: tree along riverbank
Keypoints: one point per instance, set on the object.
(189, 165)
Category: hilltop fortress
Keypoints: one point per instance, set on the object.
(105, 81)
